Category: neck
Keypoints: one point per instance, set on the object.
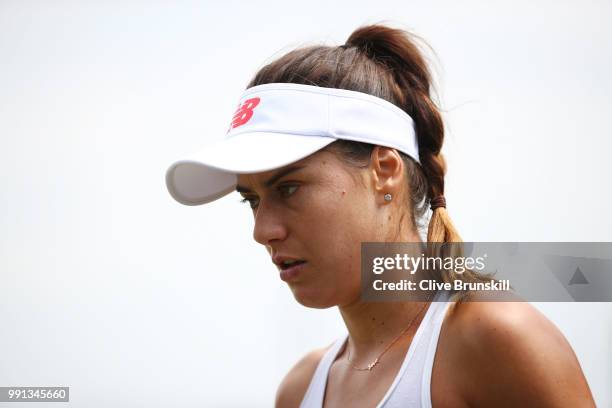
(373, 326)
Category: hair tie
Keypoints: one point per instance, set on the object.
(439, 201)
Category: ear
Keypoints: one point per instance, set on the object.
(387, 169)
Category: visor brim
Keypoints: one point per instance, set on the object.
(212, 172)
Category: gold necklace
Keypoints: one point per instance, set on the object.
(376, 361)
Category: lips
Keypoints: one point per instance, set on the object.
(284, 261)
(289, 266)
(292, 271)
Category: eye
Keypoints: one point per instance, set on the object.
(287, 189)
(250, 200)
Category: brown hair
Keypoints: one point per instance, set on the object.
(385, 62)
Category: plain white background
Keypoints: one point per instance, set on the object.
(110, 287)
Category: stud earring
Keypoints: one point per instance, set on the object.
(388, 197)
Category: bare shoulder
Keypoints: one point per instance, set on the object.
(293, 387)
(516, 356)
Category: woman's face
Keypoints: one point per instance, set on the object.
(318, 210)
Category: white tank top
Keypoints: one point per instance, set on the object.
(411, 387)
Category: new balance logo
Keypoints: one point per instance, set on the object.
(244, 113)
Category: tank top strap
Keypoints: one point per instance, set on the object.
(432, 347)
(412, 387)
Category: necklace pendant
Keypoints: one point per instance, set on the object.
(372, 364)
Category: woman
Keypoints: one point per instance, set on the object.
(334, 146)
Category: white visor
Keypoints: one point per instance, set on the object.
(278, 124)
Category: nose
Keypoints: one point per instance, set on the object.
(269, 226)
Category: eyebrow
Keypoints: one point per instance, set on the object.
(272, 179)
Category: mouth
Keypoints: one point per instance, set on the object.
(290, 263)
(290, 270)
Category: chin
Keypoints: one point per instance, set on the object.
(312, 298)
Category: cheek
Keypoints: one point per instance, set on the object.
(336, 217)
(336, 227)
